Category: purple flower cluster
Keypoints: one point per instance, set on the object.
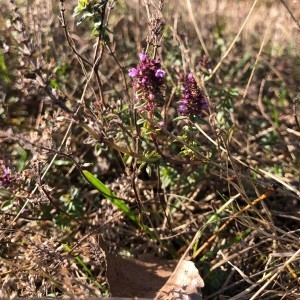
(5, 177)
(193, 101)
(148, 82)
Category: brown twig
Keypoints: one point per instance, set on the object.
(291, 13)
(295, 112)
(70, 42)
(264, 196)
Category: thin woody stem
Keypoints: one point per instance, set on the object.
(264, 196)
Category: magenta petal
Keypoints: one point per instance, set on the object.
(160, 73)
(190, 76)
(133, 72)
(142, 56)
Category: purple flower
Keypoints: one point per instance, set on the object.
(148, 82)
(133, 72)
(193, 101)
(142, 56)
(160, 73)
(183, 109)
(190, 76)
(5, 178)
(6, 171)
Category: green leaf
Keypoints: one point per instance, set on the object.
(140, 104)
(180, 118)
(95, 32)
(119, 203)
(140, 121)
(158, 115)
(82, 264)
(82, 4)
(79, 261)
(3, 70)
(83, 17)
(6, 205)
(109, 194)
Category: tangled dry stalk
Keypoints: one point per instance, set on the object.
(220, 188)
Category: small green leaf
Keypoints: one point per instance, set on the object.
(82, 4)
(140, 121)
(62, 162)
(157, 115)
(79, 261)
(140, 104)
(180, 118)
(6, 205)
(83, 17)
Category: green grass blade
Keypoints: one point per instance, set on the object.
(87, 271)
(79, 261)
(119, 203)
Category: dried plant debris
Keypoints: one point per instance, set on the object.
(161, 128)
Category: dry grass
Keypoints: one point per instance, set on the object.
(229, 182)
